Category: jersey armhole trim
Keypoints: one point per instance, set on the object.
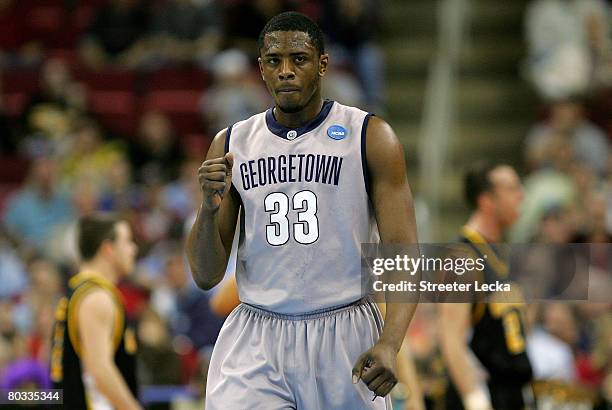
(364, 161)
(227, 138)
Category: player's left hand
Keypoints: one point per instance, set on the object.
(376, 368)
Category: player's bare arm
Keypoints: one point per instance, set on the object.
(454, 324)
(394, 212)
(225, 299)
(96, 327)
(210, 240)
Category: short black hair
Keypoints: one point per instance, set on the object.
(477, 180)
(294, 21)
(94, 229)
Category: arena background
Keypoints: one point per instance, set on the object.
(111, 105)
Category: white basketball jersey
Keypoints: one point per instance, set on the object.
(305, 209)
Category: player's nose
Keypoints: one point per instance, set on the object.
(286, 71)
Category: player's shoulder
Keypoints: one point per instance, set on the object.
(221, 141)
(253, 120)
(95, 302)
(339, 107)
(380, 133)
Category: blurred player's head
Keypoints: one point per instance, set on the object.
(292, 60)
(109, 238)
(495, 190)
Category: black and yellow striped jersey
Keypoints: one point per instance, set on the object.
(66, 366)
(498, 328)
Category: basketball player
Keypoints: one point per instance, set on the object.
(93, 350)
(498, 331)
(312, 180)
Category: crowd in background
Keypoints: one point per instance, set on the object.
(567, 176)
(111, 105)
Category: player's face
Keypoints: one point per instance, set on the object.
(292, 68)
(124, 249)
(507, 194)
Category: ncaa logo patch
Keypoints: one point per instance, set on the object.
(337, 132)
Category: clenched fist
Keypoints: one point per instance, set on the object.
(215, 176)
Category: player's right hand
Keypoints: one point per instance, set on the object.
(215, 177)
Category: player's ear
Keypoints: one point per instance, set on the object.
(106, 247)
(485, 200)
(260, 67)
(323, 63)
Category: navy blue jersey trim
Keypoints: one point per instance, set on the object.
(364, 161)
(280, 130)
(227, 138)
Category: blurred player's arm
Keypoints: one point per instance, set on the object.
(407, 375)
(210, 240)
(395, 217)
(226, 299)
(454, 324)
(96, 322)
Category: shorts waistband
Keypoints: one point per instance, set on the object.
(316, 314)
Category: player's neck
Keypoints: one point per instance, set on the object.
(486, 226)
(297, 119)
(99, 267)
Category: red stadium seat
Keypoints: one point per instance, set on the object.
(15, 103)
(173, 101)
(83, 16)
(181, 106)
(45, 17)
(13, 170)
(108, 80)
(20, 81)
(186, 123)
(68, 55)
(177, 79)
(196, 145)
(116, 110)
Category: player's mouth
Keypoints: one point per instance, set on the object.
(287, 90)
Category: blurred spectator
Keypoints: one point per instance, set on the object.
(567, 129)
(23, 372)
(156, 155)
(192, 317)
(158, 363)
(62, 244)
(555, 226)
(121, 194)
(34, 312)
(186, 30)
(182, 196)
(13, 275)
(8, 142)
(235, 94)
(116, 35)
(244, 20)
(341, 85)
(17, 43)
(89, 156)
(551, 357)
(37, 208)
(352, 26)
(47, 113)
(544, 190)
(569, 47)
(156, 222)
